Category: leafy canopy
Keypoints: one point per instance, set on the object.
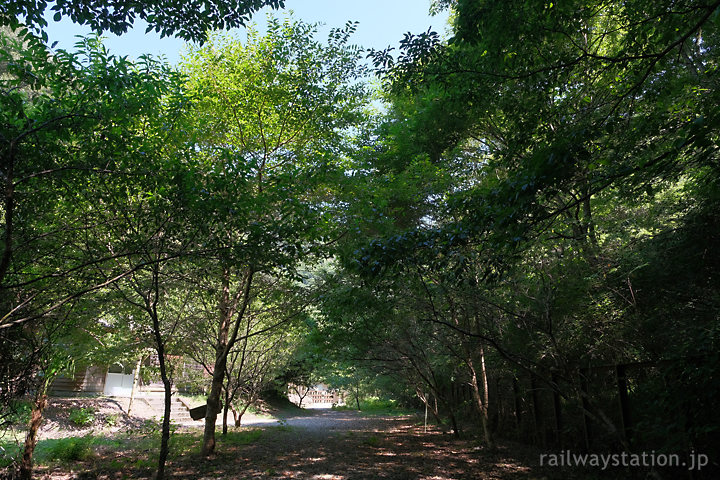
(189, 20)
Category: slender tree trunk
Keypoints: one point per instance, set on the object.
(226, 407)
(136, 382)
(301, 396)
(588, 222)
(481, 397)
(213, 408)
(357, 395)
(238, 415)
(225, 342)
(165, 432)
(9, 205)
(167, 387)
(213, 400)
(36, 417)
(435, 412)
(431, 408)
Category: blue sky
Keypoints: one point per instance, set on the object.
(382, 24)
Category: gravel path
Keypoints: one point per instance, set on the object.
(326, 420)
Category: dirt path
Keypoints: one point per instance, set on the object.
(327, 420)
(316, 445)
(341, 445)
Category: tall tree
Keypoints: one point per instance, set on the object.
(71, 142)
(272, 116)
(577, 137)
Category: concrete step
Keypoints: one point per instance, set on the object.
(178, 412)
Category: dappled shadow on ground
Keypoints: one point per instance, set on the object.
(401, 452)
(337, 446)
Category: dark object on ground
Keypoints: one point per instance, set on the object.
(198, 413)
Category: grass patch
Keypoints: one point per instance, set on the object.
(61, 450)
(9, 452)
(244, 437)
(145, 463)
(258, 411)
(130, 454)
(65, 450)
(111, 419)
(378, 406)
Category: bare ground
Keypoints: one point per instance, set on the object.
(111, 417)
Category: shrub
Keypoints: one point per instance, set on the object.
(375, 404)
(111, 419)
(9, 453)
(18, 413)
(149, 427)
(69, 449)
(82, 417)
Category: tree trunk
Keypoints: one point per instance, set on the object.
(151, 307)
(165, 432)
(587, 215)
(213, 408)
(167, 386)
(238, 415)
(357, 395)
(485, 399)
(213, 401)
(36, 417)
(481, 398)
(136, 381)
(432, 408)
(225, 342)
(226, 407)
(436, 413)
(301, 396)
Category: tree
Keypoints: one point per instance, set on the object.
(154, 292)
(71, 144)
(60, 118)
(272, 116)
(45, 100)
(578, 136)
(300, 374)
(556, 119)
(269, 330)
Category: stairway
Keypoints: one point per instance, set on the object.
(179, 412)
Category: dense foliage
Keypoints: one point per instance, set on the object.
(524, 242)
(567, 224)
(188, 20)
